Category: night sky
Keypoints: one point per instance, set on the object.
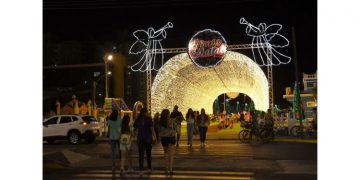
(102, 21)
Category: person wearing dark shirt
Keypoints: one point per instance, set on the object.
(145, 137)
(178, 116)
(203, 122)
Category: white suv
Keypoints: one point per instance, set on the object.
(70, 127)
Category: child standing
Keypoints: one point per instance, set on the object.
(125, 143)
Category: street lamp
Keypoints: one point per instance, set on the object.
(107, 58)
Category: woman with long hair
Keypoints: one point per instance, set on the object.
(125, 143)
(156, 124)
(203, 122)
(114, 128)
(190, 120)
(145, 137)
(167, 132)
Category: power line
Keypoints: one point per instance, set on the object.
(73, 66)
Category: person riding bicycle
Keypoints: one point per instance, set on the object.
(254, 124)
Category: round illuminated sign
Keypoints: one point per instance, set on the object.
(207, 48)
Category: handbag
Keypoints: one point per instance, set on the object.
(125, 139)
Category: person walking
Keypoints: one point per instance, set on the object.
(125, 143)
(196, 126)
(190, 119)
(167, 132)
(156, 124)
(203, 121)
(114, 128)
(178, 116)
(145, 137)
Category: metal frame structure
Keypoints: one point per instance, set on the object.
(148, 90)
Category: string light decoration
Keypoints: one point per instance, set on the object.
(148, 44)
(268, 39)
(180, 82)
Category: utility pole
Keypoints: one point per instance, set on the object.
(106, 80)
(96, 74)
(107, 58)
(94, 93)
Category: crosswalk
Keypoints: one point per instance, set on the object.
(157, 174)
(224, 150)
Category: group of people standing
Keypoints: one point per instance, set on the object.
(166, 128)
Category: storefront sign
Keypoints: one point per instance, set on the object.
(207, 48)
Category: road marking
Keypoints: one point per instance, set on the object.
(159, 176)
(106, 174)
(187, 172)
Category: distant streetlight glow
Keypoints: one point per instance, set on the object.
(107, 58)
(110, 57)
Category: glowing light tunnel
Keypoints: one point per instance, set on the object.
(180, 82)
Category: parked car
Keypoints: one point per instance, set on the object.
(70, 127)
(93, 127)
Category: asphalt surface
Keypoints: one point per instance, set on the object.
(220, 159)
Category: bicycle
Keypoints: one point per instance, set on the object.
(247, 133)
(267, 133)
(300, 131)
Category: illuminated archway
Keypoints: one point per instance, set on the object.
(180, 82)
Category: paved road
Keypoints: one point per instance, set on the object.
(220, 159)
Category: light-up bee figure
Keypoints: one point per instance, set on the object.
(149, 44)
(263, 39)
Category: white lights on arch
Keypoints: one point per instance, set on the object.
(180, 82)
(232, 95)
(148, 44)
(267, 39)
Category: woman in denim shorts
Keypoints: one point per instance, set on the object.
(167, 132)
